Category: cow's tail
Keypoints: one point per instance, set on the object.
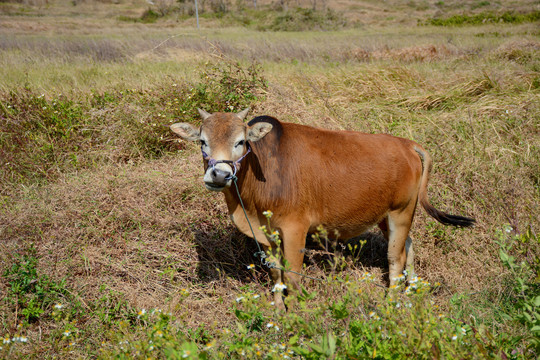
(438, 215)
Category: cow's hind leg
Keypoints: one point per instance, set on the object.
(409, 251)
(400, 250)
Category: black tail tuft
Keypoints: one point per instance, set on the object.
(448, 219)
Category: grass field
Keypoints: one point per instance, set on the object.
(110, 247)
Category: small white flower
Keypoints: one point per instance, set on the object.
(268, 213)
(279, 287)
(273, 303)
(270, 324)
(240, 298)
(454, 337)
(7, 340)
(251, 266)
(58, 306)
(141, 313)
(256, 296)
(464, 331)
(185, 354)
(66, 333)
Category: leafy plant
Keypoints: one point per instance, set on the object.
(519, 254)
(28, 290)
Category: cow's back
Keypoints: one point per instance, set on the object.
(344, 180)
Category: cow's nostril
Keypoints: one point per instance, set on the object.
(219, 176)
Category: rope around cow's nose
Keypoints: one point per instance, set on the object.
(213, 162)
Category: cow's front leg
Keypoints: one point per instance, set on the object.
(294, 243)
(275, 266)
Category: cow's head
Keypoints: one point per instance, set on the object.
(223, 136)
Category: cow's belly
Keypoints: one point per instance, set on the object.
(348, 218)
(345, 230)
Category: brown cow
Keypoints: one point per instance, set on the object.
(344, 180)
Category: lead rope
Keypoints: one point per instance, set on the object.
(261, 254)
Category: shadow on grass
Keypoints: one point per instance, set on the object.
(225, 252)
(372, 254)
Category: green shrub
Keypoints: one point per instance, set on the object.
(301, 19)
(39, 135)
(484, 18)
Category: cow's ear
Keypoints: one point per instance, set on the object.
(186, 131)
(258, 131)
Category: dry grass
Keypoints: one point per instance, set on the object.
(145, 228)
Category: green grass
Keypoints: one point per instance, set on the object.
(110, 247)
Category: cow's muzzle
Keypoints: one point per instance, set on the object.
(220, 173)
(217, 178)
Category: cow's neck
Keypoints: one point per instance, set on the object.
(238, 217)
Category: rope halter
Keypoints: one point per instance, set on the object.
(234, 164)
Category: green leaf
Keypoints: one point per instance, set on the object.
(503, 256)
(316, 348)
(331, 343)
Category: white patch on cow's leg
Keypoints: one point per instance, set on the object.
(409, 250)
(398, 230)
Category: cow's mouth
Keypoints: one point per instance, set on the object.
(214, 187)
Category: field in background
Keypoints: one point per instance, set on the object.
(104, 219)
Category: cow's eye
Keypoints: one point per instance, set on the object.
(240, 143)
